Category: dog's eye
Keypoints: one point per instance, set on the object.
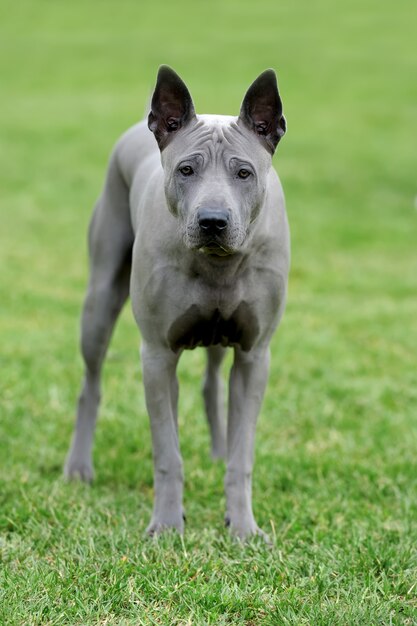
(186, 170)
(243, 173)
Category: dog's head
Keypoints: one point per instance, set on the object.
(216, 166)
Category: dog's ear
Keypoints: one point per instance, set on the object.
(171, 106)
(261, 110)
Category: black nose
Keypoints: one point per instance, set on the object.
(212, 221)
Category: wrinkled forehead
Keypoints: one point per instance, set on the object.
(216, 136)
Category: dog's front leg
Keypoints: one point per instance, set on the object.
(159, 375)
(248, 380)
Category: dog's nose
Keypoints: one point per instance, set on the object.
(213, 221)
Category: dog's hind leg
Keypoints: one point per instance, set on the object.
(110, 246)
(214, 401)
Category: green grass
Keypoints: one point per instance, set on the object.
(335, 480)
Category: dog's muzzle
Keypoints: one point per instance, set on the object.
(212, 224)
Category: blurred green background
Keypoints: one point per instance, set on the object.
(335, 480)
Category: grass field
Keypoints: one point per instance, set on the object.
(335, 480)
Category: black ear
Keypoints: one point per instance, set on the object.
(261, 110)
(171, 106)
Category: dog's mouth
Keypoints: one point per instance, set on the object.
(214, 248)
(214, 245)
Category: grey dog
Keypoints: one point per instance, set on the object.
(196, 232)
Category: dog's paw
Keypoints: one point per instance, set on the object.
(78, 470)
(159, 526)
(246, 531)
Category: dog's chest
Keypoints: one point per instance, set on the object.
(198, 327)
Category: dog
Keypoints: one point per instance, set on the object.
(193, 227)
